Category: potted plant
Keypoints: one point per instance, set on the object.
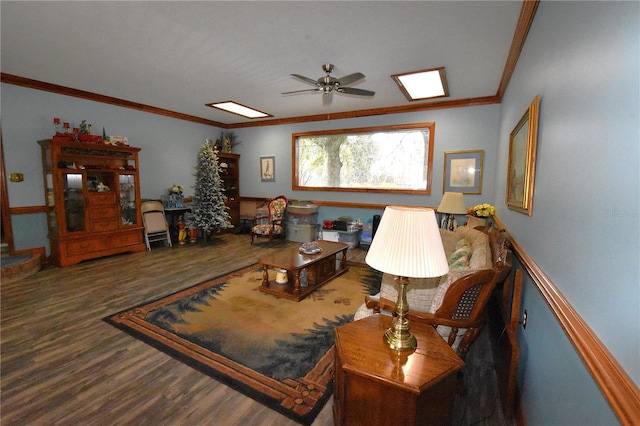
(479, 214)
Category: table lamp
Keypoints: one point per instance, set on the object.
(452, 203)
(407, 245)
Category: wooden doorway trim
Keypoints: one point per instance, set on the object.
(7, 233)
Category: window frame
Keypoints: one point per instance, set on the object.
(295, 182)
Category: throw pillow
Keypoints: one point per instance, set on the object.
(461, 263)
(462, 254)
(463, 242)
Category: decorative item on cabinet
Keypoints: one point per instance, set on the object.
(227, 141)
(82, 133)
(93, 200)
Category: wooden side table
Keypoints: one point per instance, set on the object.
(373, 385)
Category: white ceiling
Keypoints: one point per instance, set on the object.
(181, 55)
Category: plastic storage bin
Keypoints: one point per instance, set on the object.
(301, 222)
(304, 214)
(367, 233)
(352, 238)
(173, 201)
(303, 209)
(307, 219)
(301, 233)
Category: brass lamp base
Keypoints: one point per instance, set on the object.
(404, 340)
(398, 337)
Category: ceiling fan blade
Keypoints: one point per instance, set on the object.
(301, 91)
(305, 79)
(354, 91)
(350, 79)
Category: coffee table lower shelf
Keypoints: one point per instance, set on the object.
(287, 291)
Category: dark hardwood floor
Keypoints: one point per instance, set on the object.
(63, 365)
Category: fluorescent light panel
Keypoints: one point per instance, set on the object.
(236, 108)
(424, 84)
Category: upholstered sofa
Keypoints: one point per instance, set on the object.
(469, 251)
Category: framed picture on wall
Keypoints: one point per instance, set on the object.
(522, 160)
(463, 171)
(268, 169)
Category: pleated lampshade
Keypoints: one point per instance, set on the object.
(407, 243)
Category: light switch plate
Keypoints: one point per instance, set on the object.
(16, 177)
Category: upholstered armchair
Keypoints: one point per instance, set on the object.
(461, 314)
(454, 304)
(271, 224)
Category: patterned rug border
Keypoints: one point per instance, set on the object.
(301, 400)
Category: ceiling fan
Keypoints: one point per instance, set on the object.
(328, 84)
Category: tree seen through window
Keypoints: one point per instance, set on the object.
(383, 159)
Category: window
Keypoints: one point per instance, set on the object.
(395, 159)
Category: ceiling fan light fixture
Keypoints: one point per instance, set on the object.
(328, 84)
(424, 84)
(239, 109)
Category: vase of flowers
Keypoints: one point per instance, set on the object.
(479, 215)
(175, 189)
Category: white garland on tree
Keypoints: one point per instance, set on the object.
(209, 209)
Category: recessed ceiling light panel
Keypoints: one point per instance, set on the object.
(424, 84)
(236, 108)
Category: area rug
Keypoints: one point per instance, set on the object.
(276, 351)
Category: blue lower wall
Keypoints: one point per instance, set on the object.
(555, 386)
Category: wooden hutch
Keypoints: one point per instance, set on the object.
(230, 176)
(92, 195)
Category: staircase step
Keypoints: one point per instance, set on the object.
(15, 268)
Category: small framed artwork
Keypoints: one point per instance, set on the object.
(268, 169)
(522, 160)
(463, 171)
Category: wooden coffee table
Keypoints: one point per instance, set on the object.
(321, 268)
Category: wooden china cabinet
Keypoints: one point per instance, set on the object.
(230, 176)
(92, 195)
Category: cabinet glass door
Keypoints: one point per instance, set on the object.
(128, 210)
(51, 203)
(74, 204)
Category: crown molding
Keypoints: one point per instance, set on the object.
(83, 94)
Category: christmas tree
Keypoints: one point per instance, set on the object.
(209, 209)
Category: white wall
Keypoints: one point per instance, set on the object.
(582, 58)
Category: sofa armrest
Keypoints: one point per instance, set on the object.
(381, 304)
(378, 303)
